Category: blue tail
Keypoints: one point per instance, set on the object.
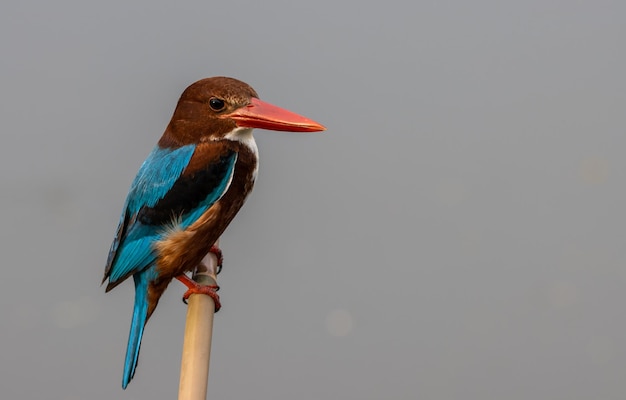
(140, 315)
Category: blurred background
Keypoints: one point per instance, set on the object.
(457, 233)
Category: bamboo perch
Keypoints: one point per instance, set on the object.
(194, 370)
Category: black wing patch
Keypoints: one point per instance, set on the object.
(190, 192)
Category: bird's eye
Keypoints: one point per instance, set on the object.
(216, 104)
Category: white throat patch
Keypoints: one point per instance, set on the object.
(244, 136)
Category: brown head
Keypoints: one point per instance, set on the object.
(214, 107)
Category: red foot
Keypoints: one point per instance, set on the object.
(209, 290)
(220, 258)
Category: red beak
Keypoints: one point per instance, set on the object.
(262, 115)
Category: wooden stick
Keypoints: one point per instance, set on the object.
(194, 370)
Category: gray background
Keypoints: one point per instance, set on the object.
(457, 233)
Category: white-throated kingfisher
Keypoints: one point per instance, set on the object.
(187, 192)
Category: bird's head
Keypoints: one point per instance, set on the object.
(213, 108)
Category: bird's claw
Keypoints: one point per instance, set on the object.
(209, 290)
(220, 257)
(194, 287)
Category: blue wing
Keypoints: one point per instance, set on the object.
(159, 195)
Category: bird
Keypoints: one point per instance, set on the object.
(187, 191)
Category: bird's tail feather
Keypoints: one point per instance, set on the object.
(140, 316)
